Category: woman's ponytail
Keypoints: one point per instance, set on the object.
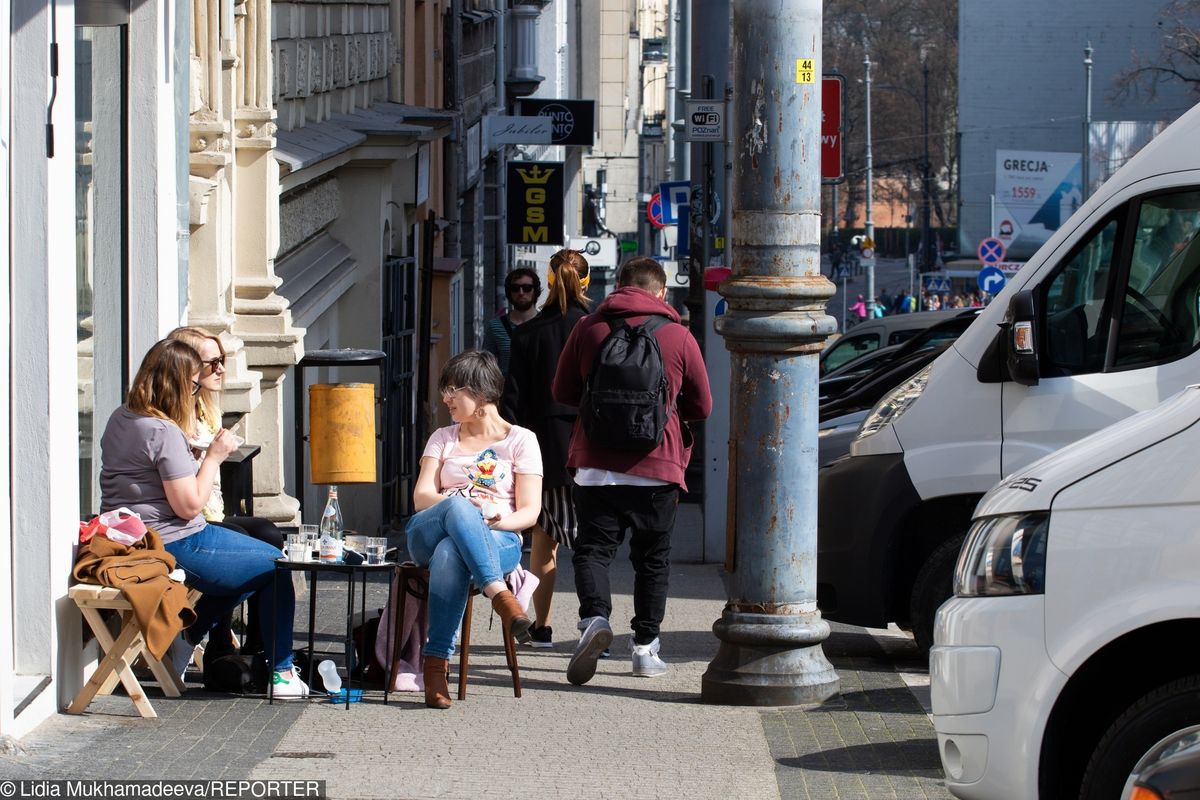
(568, 279)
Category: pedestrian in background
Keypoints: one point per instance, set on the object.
(620, 489)
(528, 401)
(522, 288)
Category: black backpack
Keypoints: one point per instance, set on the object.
(625, 403)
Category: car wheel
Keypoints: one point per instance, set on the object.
(933, 586)
(1151, 719)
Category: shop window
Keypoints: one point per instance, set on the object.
(101, 247)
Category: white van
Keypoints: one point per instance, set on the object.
(1067, 653)
(1106, 322)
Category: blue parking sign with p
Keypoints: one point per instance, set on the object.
(674, 194)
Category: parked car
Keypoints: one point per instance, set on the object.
(1101, 323)
(843, 379)
(872, 334)
(1061, 667)
(1171, 771)
(834, 436)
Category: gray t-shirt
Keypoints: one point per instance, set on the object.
(137, 454)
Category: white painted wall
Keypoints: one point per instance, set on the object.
(6, 588)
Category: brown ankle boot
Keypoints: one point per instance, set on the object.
(510, 612)
(437, 682)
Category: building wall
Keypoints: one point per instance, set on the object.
(1022, 84)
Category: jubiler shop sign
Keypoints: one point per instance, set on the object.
(535, 202)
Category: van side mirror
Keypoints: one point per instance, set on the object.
(1021, 328)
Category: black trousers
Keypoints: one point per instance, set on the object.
(605, 513)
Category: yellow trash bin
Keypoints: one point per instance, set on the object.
(341, 426)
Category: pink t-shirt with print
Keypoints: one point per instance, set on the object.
(487, 472)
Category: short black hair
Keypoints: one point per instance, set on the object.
(523, 272)
(643, 272)
(478, 372)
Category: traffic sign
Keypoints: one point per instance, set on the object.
(654, 211)
(600, 253)
(936, 283)
(674, 194)
(832, 162)
(990, 251)
(991, 280)
(705, 121)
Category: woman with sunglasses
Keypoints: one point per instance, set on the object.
(527, 401)
(208, 423)
(480, 485)
(146, 465)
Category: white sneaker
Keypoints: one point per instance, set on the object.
(646, 663)
(179, 655)
(284, 688)
(596, 636)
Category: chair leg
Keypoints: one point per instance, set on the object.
(465, 648)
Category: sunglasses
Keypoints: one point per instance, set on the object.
(521, 287)
(213, 363)
(450, 391)
(195, 388)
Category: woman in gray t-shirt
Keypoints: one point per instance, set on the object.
(147, 466)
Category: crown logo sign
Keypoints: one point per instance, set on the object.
(536, 174)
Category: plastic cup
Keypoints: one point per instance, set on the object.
(312, 533)
(298, 548)
(376, 549)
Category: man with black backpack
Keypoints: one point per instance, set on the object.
(637, 376)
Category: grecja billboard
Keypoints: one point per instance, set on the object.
(1036, 191)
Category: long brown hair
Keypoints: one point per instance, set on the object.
(208, 410)
(568, 271)
(163, 385)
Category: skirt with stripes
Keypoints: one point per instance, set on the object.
(558, 518)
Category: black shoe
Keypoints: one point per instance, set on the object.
(540, 637)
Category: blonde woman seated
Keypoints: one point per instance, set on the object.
(480, 485)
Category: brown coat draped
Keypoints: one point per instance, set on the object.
(160, 605)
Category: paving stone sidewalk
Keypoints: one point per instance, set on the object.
(617, 736)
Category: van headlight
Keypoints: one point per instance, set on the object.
(895, 403)
(1003, 555)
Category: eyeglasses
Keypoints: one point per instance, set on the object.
(521, 287)
(214, 363)
(195, 388)
(450, 391)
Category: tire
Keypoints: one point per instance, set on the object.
(932, 587)
(1152, 717)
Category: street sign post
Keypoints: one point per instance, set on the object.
(654, 211)
(991, 280)
(673, 194)
(991, 250)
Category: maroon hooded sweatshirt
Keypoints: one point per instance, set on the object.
(687, 382)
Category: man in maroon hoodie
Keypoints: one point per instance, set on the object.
(617, 490)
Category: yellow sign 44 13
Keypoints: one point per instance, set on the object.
(806, 70)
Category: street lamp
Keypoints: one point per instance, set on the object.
(1087, 121)
(927, 255)
(870, 223)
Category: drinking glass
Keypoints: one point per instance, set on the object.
(376, 549)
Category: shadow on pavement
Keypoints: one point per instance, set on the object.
(894, 758)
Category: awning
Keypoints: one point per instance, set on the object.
(303, 147)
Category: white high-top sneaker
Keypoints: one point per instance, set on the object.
(646, 663)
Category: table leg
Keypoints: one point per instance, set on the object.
(349, 642)
(312, 621)
(274, 638)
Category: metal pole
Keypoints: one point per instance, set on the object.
(1087, 122)
(770, 631)
(927, 258)
(870, 224)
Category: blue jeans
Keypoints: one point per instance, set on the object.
(453, 541)
(229, 567)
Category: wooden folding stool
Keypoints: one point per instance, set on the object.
(120, 653)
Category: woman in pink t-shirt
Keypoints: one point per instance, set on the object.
(480, 485)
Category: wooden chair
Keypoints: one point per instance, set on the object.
(119, 653)
(414, 582)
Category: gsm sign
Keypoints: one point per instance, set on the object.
(535, 228)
